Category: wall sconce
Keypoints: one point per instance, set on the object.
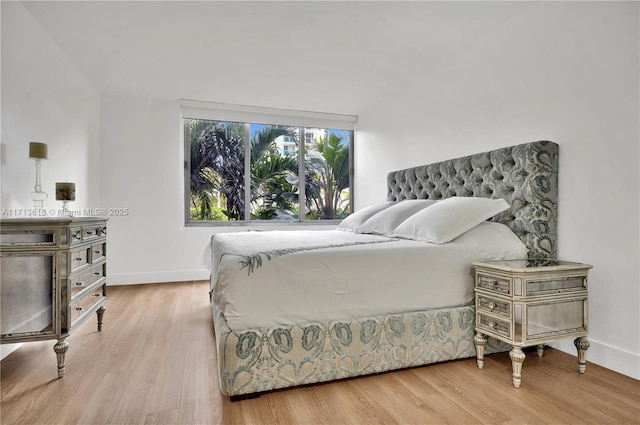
(38, 151)
(65, 192)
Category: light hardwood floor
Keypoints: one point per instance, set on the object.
(154, 363)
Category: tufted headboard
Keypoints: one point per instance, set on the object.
(525, 175)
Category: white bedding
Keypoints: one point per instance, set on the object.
(279, 278)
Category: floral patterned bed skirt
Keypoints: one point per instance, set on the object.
(264, 359)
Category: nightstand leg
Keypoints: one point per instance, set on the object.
(517, 358)
(540, 349)
(480, 342)
(582, 344)
(61, 348)
(100, 313)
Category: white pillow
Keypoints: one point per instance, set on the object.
(385, 221)
(504, 243)
(449, 218)
(354, 220)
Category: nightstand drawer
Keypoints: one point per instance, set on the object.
(493, 325)
(556, 286)
(499, 285)
(491, 305)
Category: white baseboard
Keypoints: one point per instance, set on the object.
(614, 358)
(156, 277)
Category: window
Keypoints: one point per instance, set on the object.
(248, 168)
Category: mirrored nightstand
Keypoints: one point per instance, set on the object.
(531, 302)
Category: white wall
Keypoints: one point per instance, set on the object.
(44, 98)
(143, 171)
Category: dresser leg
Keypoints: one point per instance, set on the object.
(517, 358)
(100, 313)
(582, 344)
(480, 342)
(61, 348)
(540, 349)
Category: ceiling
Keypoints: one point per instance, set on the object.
(298, 55)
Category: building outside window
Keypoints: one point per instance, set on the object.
(249, 170)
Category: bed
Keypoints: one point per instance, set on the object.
(268, 339)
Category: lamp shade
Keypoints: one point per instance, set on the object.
(65, 191)
(37, 150)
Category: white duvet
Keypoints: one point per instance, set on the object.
(279, 278)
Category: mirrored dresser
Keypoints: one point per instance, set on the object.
(53, 278)
(531, 302)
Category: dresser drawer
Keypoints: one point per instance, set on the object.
(14, 237)
(80, 259)
(499, 285)
(87, 278)
(494, 325)
(87, 233)
(86, 303)
(75, 235)
(494, 306)
(90, 233)
(98, 252)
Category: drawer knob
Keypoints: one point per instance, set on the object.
(494, 282)
(97, 252)
(492, 305)
(78, 308)
(78, 258)
(493, 324)
(77, 235)
(79, 283)
(96, 295)
(97, 273)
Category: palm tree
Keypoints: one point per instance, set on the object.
(202, 179)
(272, 175)
(222, 152)
(217, 167)
(330, 164)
